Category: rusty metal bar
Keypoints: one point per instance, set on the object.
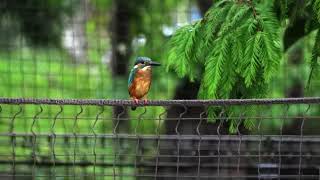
(115, 102)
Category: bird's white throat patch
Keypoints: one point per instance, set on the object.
(146, 68)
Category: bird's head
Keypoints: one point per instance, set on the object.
(145, 61)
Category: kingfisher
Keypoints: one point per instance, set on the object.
(139, 81)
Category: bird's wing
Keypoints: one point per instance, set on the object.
(131, 76)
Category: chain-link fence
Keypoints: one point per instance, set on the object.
(81, 139)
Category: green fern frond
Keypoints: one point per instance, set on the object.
(238, 18)
(239, 114)
(316, 8)
(249, 124)
(232, 11)
(214, 66)
(250, 111)
(233, 126)
(228, 78)
(270, 36)
(181, 56)
(272, 57)
(237, 53)
(238, 44)
(268, 21)
(251, 61)
(314, 64)
(213, 20)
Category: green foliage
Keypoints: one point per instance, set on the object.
(239, 46)
(51, 73)
(222, 48)
(183, 51)
(314, 64)
(102, 5)
(316, 8)
(40, 22)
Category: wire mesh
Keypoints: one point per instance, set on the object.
(82, 64)
(80, 139)
(103, 139)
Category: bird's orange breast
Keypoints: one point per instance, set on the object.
(141, 83)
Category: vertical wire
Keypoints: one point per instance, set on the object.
(280, 142)
(13, 141)
(158, 142)
(35, 74)
(116, 138)
(240, 142)
(259, 146)
(219, 139)
(138, 155)
(100, 65)
(66, 141)
(301, 138)
(34, 141)
(150, 29)
(23, 87)
(53, 142)
(95, 140)
(74, 75)
(87, 60)
(38, 128)
(74, 60)
(199, 142)
(21, 67)
(138, 142)
(75, 145)
(10, 73)
(48, 92)
(61, 74)
(179, 139)
(48, 95)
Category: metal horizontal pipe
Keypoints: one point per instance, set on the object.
(250, 138)
(144, 164)
(173, 175)
(248, 156)
(119, 102)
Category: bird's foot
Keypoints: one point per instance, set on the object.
(145, 101)
(136, 101)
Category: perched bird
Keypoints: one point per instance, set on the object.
(140, 79)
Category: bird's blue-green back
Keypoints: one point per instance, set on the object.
(131, 76)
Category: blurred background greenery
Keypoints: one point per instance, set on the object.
(85, 49)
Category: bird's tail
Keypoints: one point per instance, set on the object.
(133, 108)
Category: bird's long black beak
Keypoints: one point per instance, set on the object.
(153, 63)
